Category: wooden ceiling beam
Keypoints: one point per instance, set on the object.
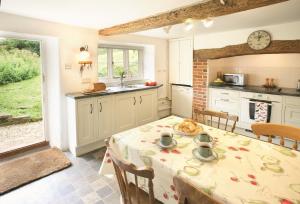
(212, 8)
(276, 47)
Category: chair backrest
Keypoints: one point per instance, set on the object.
(121, 168)
(207, 115)
(283, 131)
(189, 194)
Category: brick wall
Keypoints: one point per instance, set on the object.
(200, 84)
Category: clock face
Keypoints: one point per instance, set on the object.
(259, 40)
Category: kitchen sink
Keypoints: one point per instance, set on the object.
(124, 88)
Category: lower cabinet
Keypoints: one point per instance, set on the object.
(92, 120)
(291, 111)
(125, 115)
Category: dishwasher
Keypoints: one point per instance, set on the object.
(182, 100)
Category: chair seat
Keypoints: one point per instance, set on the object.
(143, 196)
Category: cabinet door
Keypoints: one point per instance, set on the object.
(125, 116)
(174, 62)
(292, 115)
(146, 106)
(85, 123)
(103, 126)
(186, 61)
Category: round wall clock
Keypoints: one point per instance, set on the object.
(259, 40)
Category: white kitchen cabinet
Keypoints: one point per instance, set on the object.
(89, 123)
(104, 122)
(86, 120)
(134, 109)
(125, 115)
(291, 111)
(225, 101)
(146, 107)
(181, 61)
(92, 120)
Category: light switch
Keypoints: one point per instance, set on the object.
(68, 66)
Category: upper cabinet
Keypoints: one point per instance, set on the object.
(181, 61)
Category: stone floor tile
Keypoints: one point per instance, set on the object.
(104, 191)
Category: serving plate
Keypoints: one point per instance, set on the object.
(198, 131)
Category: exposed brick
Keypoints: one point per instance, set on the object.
(200, 84)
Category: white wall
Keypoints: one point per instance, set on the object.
(287, 31)
(284, 68)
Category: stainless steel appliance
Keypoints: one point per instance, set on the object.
(235, 79)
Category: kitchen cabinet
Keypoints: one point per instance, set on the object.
(86, 121)
(146, 107)
(225, 101)
(181, 61)
(104, 122)
(125, 115)
(92, 120)
(291, 111)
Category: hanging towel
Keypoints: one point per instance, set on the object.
(260, 110)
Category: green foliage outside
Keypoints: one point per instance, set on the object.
(17, 65)
(118, 62)
(20, 79)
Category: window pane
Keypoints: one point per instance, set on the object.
(118, 62)
(133, 62)
(102, 62)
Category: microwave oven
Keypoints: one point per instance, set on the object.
(235, 79)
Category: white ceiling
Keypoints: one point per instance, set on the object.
(99, 14)
(91, 13)
(275, 14)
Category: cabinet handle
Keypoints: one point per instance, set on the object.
(225, 100)
(141, 100)
(100, 107)
(91, 108)
(224, 93)
(134, 101)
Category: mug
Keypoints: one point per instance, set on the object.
(166, 138)
(205, 151)
(204, 137)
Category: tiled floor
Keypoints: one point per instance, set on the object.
(79, 183)
(16, 136)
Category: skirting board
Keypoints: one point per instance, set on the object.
(78, 151)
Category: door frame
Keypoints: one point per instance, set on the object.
(22, 36)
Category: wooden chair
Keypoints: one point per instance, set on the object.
(131, 193)
(206, 115)
(189, 194)
(283, 131)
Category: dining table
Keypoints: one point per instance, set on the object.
(245, 171)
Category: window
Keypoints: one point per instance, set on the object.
(113, 60)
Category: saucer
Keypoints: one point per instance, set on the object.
(214, 156)
(173, 144)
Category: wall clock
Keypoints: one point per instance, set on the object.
(259, 40)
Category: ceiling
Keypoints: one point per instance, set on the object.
(91, 13)
(100, 14)
(275, 14)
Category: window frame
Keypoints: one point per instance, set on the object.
(110, 77)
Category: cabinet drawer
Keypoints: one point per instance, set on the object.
(292, 100)
(222, 93)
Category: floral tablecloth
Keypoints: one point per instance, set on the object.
(248, 171)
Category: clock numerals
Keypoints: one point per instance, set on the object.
(259, 40)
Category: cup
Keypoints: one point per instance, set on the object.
(205, 151)
(166, 138)
(204, 137)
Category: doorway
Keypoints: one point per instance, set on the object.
(21, 94)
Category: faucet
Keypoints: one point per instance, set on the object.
(122, 76)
